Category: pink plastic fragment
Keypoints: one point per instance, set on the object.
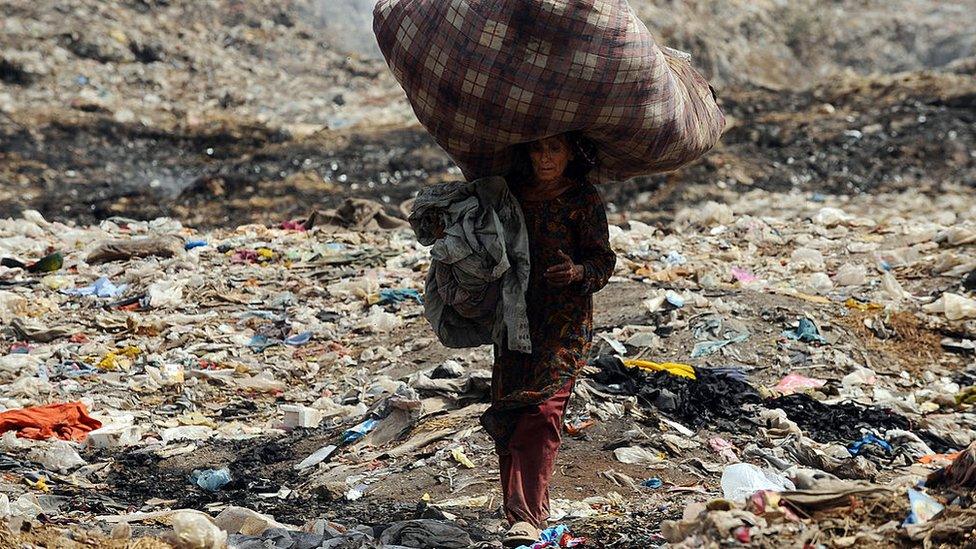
(743, 275)
(795, 383)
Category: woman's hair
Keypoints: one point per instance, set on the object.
(583, 162)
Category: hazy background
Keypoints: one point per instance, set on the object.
(228, 111)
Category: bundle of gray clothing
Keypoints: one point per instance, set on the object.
(475, 290)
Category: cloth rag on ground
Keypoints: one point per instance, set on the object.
(828, 493)
(475, 291)
(67, 421)
(841, 422)
(960, 474)
(419, 534)
(426, 534)
(711, 398)
(483, 75)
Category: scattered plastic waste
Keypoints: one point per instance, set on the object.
(359, 431)
(851, 275)
(317, 457)
(806, 331)
(211, 480)
(953, 306)
(576, 426)
(741, 480)
(743, 275)
(194, 530)
(555, 537)
(399, 295)
(458, 455)
(705, 348)
(259, 343)
(652, 483)
(60, 456)
(636, 454)
(723, 448)
(869, 439)
(795, 383)
(674, 299)
(674, 258)
(923, 507)
(298, 339)
(297, 352)
(102, 287)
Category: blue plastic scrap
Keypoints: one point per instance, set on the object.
(190, 244)
(211, 480)
(855, 448)
(398, 295)
(674, 258)
(102, 287)
(653, 482)
(806, 331)
(674, 299)
(359, 431)
(705, 348)
(298, 339)
(67, 369)
(553, 537)
(922, 507)
(259, 343)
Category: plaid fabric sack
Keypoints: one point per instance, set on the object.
(483, 75)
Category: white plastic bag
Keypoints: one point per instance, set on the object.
(196, 531)
(186, 432)
(241, 520)
(851, 275)
(806, 259)
(955, 307)
(742, 480)
(636, 454)
(11, 305)
(382, 321)
(26, 506)
(165, 294)
(59, 456)
(819, 283)
(893, 288)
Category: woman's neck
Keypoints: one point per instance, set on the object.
(547, 190)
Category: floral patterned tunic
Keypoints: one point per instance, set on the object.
(560, 318)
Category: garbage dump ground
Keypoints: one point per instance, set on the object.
(290, 372)
(218, 341)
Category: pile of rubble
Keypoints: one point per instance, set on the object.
(279, 384)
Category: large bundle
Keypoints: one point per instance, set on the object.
(483, 75)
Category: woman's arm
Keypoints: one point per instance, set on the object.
(598, 259)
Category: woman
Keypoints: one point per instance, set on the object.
(570, 260)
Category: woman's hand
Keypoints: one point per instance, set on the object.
(563, 273)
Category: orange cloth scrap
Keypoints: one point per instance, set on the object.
(68, 421)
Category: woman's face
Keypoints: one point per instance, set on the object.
(550, 156)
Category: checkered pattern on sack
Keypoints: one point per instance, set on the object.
(483, 75)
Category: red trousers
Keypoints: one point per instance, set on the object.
(527, 467)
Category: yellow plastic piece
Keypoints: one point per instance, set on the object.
(855, 304)
(674, 368)
(459, 456)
